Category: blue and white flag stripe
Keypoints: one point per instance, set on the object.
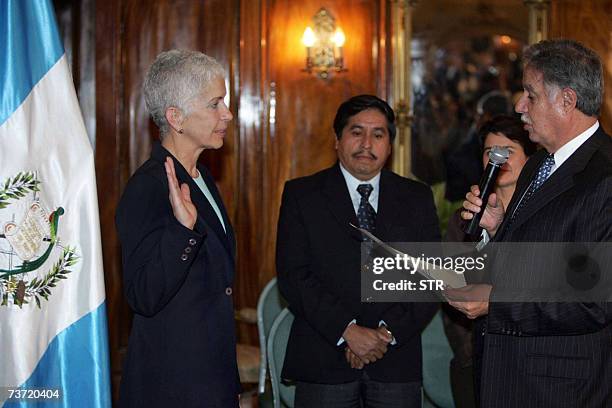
(29, 39)
(83, 382)
(56, 337)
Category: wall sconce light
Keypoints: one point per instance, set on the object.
(324, 45)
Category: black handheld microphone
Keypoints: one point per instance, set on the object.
(497, 157)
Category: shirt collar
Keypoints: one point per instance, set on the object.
(562, 154)
(353, 182)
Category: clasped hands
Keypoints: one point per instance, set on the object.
(365, 345)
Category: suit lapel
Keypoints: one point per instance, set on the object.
(339, 201)
(559, 182)
(522, 184)
(228, 233)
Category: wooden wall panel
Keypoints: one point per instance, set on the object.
(153, 26)
(588, 21)
(108, 107)
(300, 141)
(248, 221)
(303, 136)
(297, 139)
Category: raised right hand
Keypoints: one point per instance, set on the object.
(493, 213)
(180, 198)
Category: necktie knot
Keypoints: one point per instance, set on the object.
(365, 190)
(544, 171)
(550, 160)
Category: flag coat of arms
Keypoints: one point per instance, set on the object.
(53, 331)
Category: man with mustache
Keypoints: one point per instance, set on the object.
(549, 353)
(341, 352)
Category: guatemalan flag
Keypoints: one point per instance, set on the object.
(53, 333)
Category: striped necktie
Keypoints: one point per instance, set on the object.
(541, 177)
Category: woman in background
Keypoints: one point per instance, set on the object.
(178, 247)
(504, 131)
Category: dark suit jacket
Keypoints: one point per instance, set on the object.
(553, 354)
(182, 347)
(318, 264)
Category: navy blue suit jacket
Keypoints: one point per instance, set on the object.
(182, 347)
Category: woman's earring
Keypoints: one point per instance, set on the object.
(180, 131)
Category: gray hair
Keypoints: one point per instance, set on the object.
(175, 79)
(569, 64)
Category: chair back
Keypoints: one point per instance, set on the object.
(437, 355)
(269, 306)
(283, 395)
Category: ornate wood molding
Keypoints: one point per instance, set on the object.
(538, 20)
(401, 88)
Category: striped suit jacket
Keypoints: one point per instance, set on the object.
(552, 354)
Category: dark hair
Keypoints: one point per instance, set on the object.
(359, 103)
(569, 64)
(512, 128)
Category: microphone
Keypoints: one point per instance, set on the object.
(497, 157)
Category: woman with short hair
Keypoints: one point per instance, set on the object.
(178, 247)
